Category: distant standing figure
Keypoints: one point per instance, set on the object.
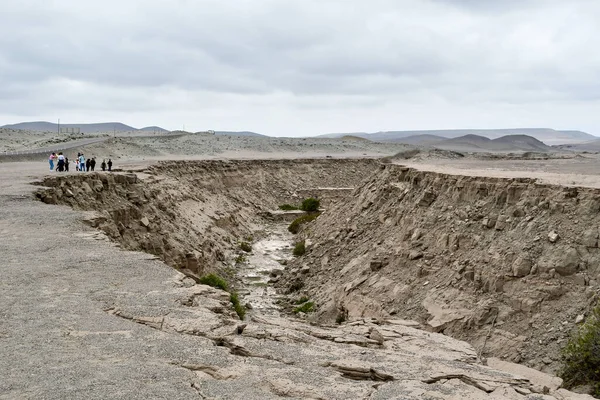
(103, 165)
(51, 161)
(93, 163)
(109, 164)
(66, 164)
(82, 163)
(61, 162)
(87, 164)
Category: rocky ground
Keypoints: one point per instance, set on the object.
(93, 308)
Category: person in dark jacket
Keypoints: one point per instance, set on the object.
(103, 165)
(66, 164)
(93, 163)
(109, 164)
(87, 165)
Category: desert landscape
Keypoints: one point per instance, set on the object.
(426, 272)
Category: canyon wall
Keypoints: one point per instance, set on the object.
(508, 263)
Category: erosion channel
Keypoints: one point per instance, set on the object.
(396, 256)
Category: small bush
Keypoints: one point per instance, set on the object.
(288, 207)
(239, 308)
(214, 281)
(245, 246)
(299, 249)
(307, 307)
(581, 355)
(310, 204)
(295, 225)
(240, 259)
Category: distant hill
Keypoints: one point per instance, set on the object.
(591, 146)
(548, 136)
(504, 143)
(153, 129)
(423, 140)
(43, 126)
(240, 133)
(357, 138)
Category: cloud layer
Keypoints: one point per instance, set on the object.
(303, 67)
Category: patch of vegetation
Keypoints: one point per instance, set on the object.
(219, 283)
(307, 307)
(581, 355)
(295, 225)
(310, 204)
(240, 259)
(250, 238)
(237, 306)
(299, 249)
(245, 246)
(214, 281)
(288, 207)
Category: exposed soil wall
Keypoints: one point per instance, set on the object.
(194, 214)
(468, 256)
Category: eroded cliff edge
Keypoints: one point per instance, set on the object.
(507, 262)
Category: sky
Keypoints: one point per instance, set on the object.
(303, 67)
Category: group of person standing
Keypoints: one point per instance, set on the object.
(81, 163)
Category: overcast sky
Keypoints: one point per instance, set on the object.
(303, 67)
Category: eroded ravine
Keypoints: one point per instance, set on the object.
(194, 215)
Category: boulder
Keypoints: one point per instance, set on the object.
(427, 198)
(521, 267)
(553, 237)
(375, 265)
(590, 238)
(568, 262)
(86, 187)
(500, 223)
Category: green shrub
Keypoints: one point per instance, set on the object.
(310, 204)
(214, 281)
(240, 259)
(218, 282)
(245, 246)
(307, 307)
(581, 355)
(299, 249)
(288, 207)
(295, 225)
(239, 308)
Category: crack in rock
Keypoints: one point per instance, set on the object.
(213, 372)
(481, 385)
(358, 373)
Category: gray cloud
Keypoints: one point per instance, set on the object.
(332, 65)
